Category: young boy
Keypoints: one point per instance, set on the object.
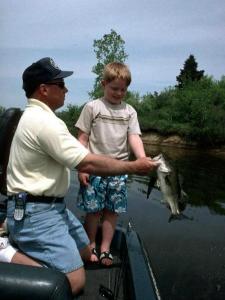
(107, 126)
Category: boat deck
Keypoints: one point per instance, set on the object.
(129, 278)
(106, 280)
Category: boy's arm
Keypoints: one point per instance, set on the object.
(83, 138)
(136, 145)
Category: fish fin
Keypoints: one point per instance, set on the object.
(184, 196)
(179, 217)
(151, 184)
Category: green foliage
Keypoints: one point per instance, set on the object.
(194, 109)
(195, 112)
(108, 49)
(189, 73)
(2, 109)
(133, 98)
(70, 116)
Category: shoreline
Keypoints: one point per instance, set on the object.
(172, 140)
(178, 142)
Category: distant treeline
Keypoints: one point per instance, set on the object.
(193, 109)
(195, 112)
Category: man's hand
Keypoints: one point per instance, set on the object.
(146, 165)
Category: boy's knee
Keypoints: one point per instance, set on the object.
(77, 280)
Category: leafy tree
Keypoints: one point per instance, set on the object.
(108, 49)
(189, 73)
(195, 112)
(70, 116)
(133, 98)
(2, 109)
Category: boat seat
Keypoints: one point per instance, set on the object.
(19, 282)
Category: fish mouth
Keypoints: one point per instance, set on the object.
(163, 167)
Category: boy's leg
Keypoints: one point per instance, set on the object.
(91, 200)
(115, 202)
(91, 227)
(108, 229)
(85, 253)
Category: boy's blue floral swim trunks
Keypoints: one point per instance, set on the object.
(104, 192)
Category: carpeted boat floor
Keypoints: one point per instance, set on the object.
(104, 280)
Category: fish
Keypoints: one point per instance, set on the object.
(168, 181)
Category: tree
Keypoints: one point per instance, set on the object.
(2, 109)
(189, 72)
(70, 116)
(108, 49)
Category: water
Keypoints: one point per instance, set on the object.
(188, 255)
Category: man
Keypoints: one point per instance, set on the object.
(42, 154)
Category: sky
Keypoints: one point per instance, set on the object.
(159, 36)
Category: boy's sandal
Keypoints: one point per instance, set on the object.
(106, 255)
(94, 251)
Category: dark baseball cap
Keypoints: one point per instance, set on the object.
(42, 71)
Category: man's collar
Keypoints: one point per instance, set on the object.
(36, 102)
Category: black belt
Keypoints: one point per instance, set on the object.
(40, 199)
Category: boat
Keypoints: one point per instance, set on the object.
(129, 278)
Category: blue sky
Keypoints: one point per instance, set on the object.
(159, 36)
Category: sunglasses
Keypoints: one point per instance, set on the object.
(60, 84)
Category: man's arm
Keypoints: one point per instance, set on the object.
(106, 166)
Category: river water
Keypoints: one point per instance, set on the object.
(187, 255)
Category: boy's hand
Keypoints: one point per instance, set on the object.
(83, 178)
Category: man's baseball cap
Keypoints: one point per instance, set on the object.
(42, 71)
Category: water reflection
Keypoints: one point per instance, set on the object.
(203, 176)
(188, 256)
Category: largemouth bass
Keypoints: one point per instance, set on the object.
(168, 182)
